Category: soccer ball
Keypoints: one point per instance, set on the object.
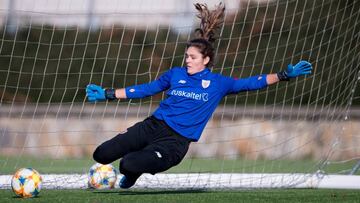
(102, 176)
(26, 182)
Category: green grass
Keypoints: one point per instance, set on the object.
(8, 165)
(265, 195)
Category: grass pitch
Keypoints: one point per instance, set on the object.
(117, 195)
(8, 165)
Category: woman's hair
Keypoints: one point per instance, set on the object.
(205, 35)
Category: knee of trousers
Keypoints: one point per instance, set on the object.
(99, 157)
(130, 166)
(135, 166)
(125, 166)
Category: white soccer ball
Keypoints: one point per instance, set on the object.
(26, 182)
(102, 176)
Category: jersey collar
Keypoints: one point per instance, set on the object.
(202, 73)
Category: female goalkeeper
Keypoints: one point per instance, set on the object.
(193, 92)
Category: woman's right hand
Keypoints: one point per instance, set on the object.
(95, 93)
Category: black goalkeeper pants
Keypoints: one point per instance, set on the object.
(150, 146)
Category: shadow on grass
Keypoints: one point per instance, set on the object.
(149, 192)
(18, 197)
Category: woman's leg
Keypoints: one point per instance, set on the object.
(133, 139)
(155, 158)
(144, 161)
(136, 163)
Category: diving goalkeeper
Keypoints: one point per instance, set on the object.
(161, 141)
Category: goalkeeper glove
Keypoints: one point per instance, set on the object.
(97, 93)
(301, 68)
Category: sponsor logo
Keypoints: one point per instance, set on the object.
(192, 95)
(182, 81)
(205, 96)
(158, 154)
(131, 90)
(205, 83)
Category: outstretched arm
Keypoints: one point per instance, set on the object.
(97, 93)
(261, 81)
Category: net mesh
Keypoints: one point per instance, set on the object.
(300, 128)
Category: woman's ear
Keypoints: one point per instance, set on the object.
(206, 60)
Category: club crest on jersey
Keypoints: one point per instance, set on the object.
(205, 83)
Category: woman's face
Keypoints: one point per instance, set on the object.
(195, 61)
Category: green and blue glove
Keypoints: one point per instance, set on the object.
(97, 93)
(301, 68)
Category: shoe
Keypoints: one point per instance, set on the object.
(126, 182)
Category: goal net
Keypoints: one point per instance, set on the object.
(300, 133)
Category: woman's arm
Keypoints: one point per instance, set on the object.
(264, 80)
(272, 79)
(97, 93)
(120, 93)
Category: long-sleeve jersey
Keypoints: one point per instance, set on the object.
(192, 99)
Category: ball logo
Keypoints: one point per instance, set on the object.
(205, 83)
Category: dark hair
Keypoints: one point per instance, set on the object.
(205, 35)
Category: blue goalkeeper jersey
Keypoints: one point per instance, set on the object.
(192, 99)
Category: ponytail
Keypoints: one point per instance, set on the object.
(205, 34)
(210, 21)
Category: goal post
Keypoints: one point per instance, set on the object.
(302, 133)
